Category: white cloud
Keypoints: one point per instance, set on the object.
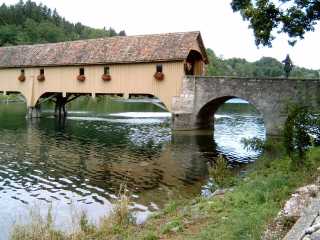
(222, 30)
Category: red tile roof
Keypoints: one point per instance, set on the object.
(129, 49)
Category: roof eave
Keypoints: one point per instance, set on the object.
(203, 49)
(94, 64)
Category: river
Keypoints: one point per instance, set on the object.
(78, 164)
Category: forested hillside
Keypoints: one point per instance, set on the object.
(28, 23)
(265, 67)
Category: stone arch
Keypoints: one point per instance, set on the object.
(269, 96)
(205, 114)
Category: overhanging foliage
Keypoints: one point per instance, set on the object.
(292, 17)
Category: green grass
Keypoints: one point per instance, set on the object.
(257, 199)
(242, 213)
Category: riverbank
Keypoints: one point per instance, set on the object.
(244, 212)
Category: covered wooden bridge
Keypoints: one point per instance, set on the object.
(124, 66)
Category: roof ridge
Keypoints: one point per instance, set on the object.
(119, 49)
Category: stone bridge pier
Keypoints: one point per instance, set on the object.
(202, 96)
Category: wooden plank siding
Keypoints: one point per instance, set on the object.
(135, 78)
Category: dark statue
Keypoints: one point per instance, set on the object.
(288, 65)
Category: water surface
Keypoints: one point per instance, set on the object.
(80, 163)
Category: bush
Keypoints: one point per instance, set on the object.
(302, 125)
(221, 173)
(150, 236)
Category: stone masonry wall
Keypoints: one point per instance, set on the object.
(201, 97)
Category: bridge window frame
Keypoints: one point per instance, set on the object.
(41, 71)
(22, 71)
(159, 68)
(106, 70)
(81, 71)
(106, 74)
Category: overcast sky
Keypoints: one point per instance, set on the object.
(221, 29)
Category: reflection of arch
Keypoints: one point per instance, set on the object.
(205, 115)
(194, 63)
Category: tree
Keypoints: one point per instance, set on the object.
(49, 32)
(292, 17)
(122, 33)
(302, 125)
(28, 23)
(8, 35)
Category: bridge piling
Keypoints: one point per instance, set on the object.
(33, 112)
(60, 106)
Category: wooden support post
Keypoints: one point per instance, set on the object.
(60, 107)
(33, 112)
(126, 96)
